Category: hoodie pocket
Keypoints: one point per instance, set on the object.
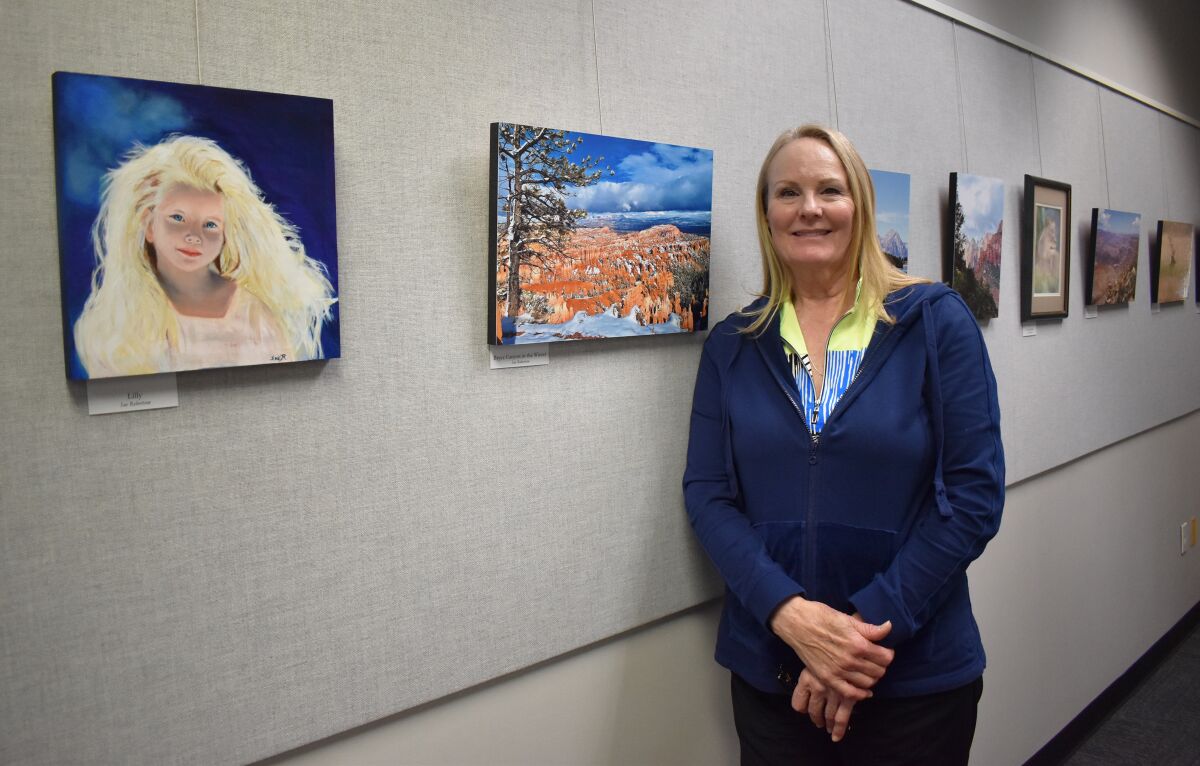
(784, 541)
(848, 558)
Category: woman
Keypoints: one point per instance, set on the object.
(844, 467)
(195, 270)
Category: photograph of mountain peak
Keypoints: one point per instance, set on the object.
(891, 214)
(595, 237)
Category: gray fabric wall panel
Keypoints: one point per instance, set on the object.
(1181, 168)
(672, 86)
(898, 101)
(1070, 145)
(997, 95)
(299, 550)
(1133, 155)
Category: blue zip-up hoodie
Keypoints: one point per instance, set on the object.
(881, 516)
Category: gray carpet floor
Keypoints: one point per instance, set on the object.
(1159, 723)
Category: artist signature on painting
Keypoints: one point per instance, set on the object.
(278, 357)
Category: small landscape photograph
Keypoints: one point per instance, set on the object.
(596, 237)
(1116, 236)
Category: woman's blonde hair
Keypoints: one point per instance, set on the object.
(879, 276)
(128, 326)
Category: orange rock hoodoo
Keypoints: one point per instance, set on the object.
(602, 268)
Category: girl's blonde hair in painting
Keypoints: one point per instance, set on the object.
(128, 326)
(879, 276)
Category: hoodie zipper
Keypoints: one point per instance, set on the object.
(810, 526)
(811, 423)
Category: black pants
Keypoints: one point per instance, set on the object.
(904, 731)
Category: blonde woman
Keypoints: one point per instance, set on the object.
(194, 269)
(844, 467)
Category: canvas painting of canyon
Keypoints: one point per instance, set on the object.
(595, 237)
(891, 214)
(1174, 262)
(1112, 263)
(977, 231)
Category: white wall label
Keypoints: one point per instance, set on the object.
(1028, 329)
(505, 357)
(142, 392)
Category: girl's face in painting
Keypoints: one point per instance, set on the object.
(187, 230)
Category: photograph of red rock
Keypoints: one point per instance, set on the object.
(595, 237)
(977, 230)
(1111, 270)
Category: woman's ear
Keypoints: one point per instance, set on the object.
(149, 227)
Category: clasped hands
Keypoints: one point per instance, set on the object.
(842, 660)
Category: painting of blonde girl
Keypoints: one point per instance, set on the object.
(195, 269)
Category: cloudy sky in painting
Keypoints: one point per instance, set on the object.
(891, 202)
(645, 176)
(1120, 223)
(982, 201)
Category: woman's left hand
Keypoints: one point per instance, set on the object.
(826, 709)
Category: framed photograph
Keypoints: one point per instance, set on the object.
(976, 232)
(1045, 249)
(891, 214)
(196, 226)
(1171, 262)
(1110, 266)
(595, 237)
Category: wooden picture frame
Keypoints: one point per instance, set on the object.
(1045, 249)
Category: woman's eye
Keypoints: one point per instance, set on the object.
(176, 217)
(211, 225)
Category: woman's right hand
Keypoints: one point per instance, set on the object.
(840, 650)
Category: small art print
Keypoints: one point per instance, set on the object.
(1045, 249)
(1111, 273)
(196, 226)
(1047, 254)
(891, 214)
(976, 233)
(1171, 270)
(595, 237)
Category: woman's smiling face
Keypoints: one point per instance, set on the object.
(187, 230)
(809, 208)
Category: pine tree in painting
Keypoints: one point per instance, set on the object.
(534, 173)
(976, 295)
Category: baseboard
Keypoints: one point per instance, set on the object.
(1060, 747)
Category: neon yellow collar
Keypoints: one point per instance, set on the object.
(851, 333)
